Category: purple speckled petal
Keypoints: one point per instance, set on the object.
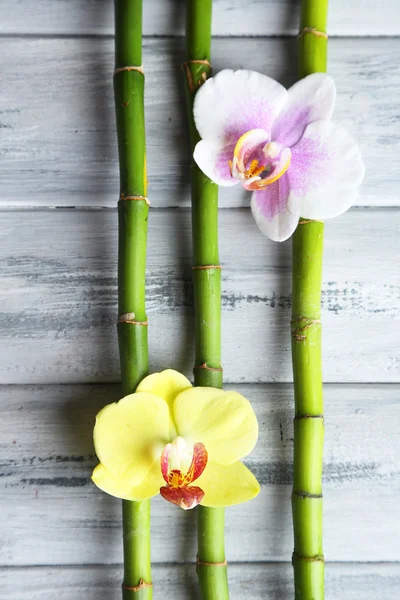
(310, 99)
(325, 172)
(271, 212)
(234, 102)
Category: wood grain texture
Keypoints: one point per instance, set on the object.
(50, 512)
(58, 140)
(58, 285)
(58, 308)
(263, 581)
(165, 17)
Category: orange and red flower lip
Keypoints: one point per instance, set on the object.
(178, 489)
(185, 497)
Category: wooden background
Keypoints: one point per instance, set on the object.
(59, 536)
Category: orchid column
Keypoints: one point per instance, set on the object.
(211, 564)
(132, 213)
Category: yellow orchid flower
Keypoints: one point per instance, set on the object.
(169, 434)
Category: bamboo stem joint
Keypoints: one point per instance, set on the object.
(313, 31)
(207, 368)
(205, 267)
(202, 563)
(304, 495)
(307, 416)
(316, 558)
(139, 69)
(129, 319)
(190, 75)
(136, 588)
(298, 332)
(307, 221)
(144, 199)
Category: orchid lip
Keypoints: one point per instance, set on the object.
(186, 497)
(258, 167)
(179, 473)
(275, 174)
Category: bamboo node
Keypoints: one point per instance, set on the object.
(135, 198)
(308, 416)
(136, 588)
(207, 368)
(197, 62)
(204, 267)
(313, 31)
(298, 332)
(139, 69)
(189, 74)
(316, 558)
(300, 338)
(210, 564)
(301, 319)
(129, 318)
(306, 221)
(304, 495)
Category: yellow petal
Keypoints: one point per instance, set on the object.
(130, 435)
(223, 421)
(227, 485)
(121, 487)
(167, 384)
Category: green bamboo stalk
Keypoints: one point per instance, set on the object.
(211, 564)
(132, 218)
(308, 559)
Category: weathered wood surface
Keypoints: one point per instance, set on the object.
(58, 285)
(166, 17)
(58, 302)
(52, 514)
(58, 141)
(264, 581)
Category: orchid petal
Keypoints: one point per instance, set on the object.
(129, 435)
(271, 211)
(214, 161)
(326, 171)
(227, 485)
(121, 487)
(168, 385)
(165, 462)
(223, 421)
(233, 102)
(310, 99)
(198, 464)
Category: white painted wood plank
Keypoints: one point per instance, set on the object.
(49, 510)
(230, 17)
(264, 581)
(58, 288)
(58, 142)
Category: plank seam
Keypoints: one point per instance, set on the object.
(191, 564)
(147, 37)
